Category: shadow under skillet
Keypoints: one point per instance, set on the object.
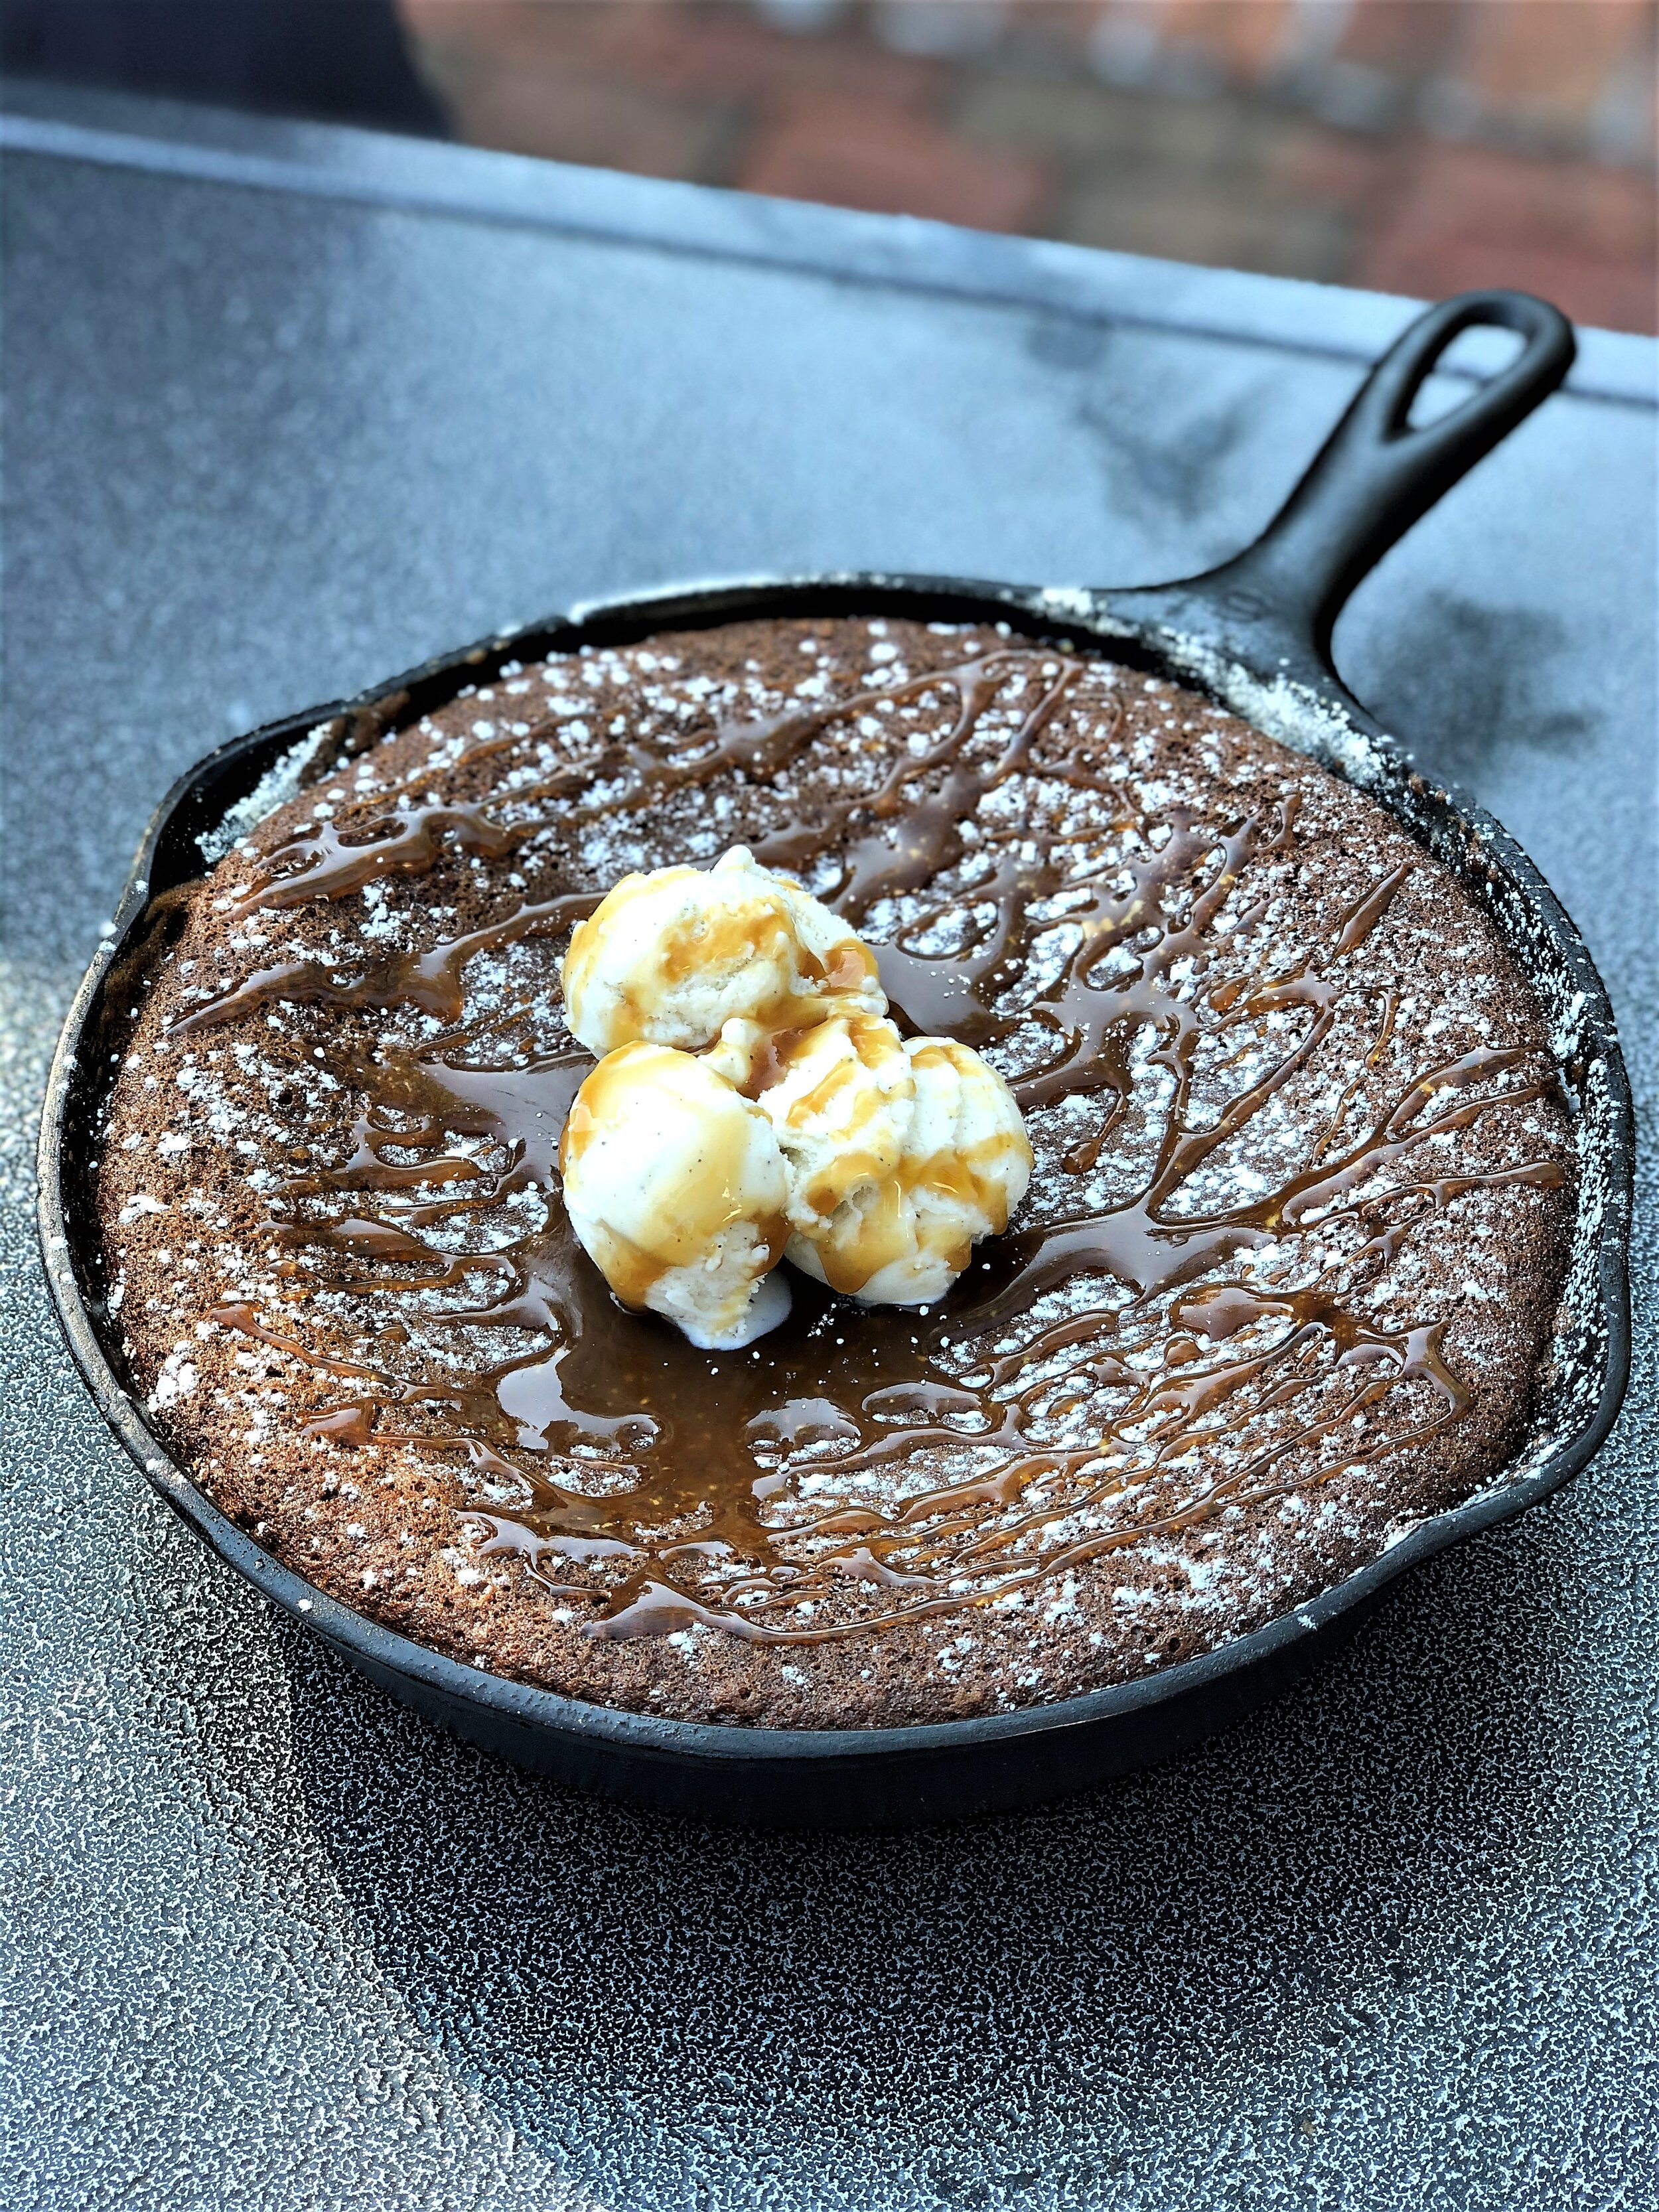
(1154, 467)
(1470, 682)
(957, 2006)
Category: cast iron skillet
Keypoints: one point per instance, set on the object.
(1255, 634)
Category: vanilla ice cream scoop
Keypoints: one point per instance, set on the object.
(672, 957)
(841, 1106)
(901, 1156)
(966, 1165)
(676, 1187)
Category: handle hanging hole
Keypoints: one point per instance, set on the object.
(1474, 357)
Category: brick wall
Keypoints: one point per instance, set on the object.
(1414, 145)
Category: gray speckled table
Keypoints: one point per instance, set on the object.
(287, 409)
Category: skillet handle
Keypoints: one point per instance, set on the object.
(1375, 475)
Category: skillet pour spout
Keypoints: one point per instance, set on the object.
(1255, 633)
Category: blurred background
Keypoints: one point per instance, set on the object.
(1412, 146)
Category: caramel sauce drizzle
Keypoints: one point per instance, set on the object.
(743, 1491)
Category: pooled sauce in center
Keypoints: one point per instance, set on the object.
(931, 1458)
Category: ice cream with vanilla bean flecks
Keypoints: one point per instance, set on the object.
(675, 1189)
(893, 1158)
(902, 1156)
(671, 957)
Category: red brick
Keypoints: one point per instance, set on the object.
(1547, 58)
(573, 117)
(857, 153)
(1569, 205)
(1243, 37)
(1583, 234)
(1331, 168)
(1402, 39)
(1062, 29)
(718, 49)
(1619, 295)
(1199, 220)
(1073, 119)
(490, 30)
